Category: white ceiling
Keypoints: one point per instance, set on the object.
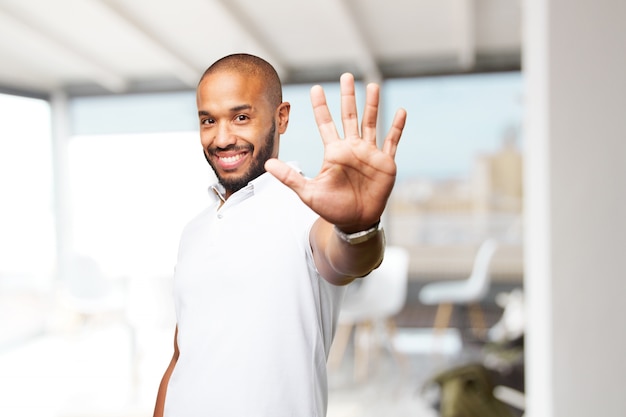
(117, 46)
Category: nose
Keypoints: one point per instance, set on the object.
(223, 136)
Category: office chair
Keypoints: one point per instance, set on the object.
(470, 291)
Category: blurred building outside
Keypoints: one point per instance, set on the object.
(442, 222)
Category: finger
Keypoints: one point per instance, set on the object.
(395, 132)
(285, 174)
(349, 117)
(370, 114)
(324, 120)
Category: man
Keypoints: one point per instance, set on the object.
(260, 272)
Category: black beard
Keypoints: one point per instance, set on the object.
(257, 168)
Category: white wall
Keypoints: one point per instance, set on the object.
(575, 69)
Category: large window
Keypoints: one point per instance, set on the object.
(27, 247)
(27, 232)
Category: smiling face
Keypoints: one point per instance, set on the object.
(239, 126)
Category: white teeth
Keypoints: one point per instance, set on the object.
(231, 159)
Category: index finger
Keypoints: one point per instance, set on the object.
(395, 132)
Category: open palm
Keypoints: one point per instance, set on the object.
(356, 178)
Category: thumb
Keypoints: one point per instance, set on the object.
(285, 174)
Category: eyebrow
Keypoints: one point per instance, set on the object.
(232, 109)
(241, 107)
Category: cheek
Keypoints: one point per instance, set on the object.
(204, 140)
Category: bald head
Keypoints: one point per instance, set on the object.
(251, 66)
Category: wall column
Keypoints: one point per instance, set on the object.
(574, 66)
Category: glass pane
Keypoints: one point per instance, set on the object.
(459, 173)
(27, 241)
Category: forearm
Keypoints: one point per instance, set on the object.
(160, 400)
(340, 262)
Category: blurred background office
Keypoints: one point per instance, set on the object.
(515, 136)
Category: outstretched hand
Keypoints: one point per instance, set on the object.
(356, 177)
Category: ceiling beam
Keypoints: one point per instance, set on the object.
(366, 60)
(467, 33)
(251, 28)
(102, 74)
(185, 71)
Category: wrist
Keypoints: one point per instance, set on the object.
(361, 236)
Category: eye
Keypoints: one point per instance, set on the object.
(241, 118)
(207, 121)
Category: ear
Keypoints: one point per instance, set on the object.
(282, 114)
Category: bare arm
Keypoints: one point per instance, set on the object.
(160, 401)
(352, 188)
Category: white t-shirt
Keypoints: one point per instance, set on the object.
(255, 319)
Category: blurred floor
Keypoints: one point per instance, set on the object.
(400, 389)
(86, 370)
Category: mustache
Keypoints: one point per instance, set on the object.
(214, 150)
(230, 148)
